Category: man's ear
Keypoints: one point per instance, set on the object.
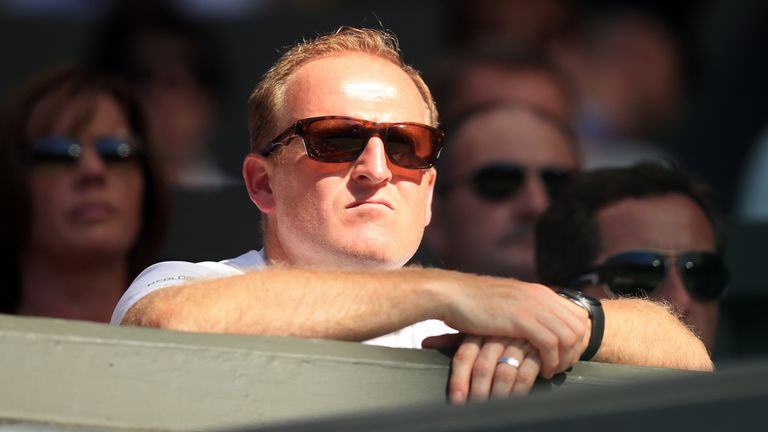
(434, 236)
(431, 181)
(257, 172)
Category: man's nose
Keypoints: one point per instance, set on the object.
(533, 198)
(673, 290)
(372, 165)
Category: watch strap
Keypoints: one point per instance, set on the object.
(595, 310)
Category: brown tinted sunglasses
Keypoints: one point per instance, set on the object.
(337, 139)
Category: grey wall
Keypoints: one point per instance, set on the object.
(78, 375)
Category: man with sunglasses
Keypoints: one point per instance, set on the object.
(343, 143)
(643, 231)
(502, 163)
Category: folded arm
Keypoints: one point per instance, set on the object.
(357, 306)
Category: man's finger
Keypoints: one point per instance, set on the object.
(572, 335)
(461, 369)
(507, 367)
(526, 374)
(484, 369)
(567, 330)
(545, 342)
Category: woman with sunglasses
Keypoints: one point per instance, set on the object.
(82, 210)
(643, 231)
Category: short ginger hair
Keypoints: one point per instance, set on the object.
(266, 101)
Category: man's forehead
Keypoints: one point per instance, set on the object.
(355, 84)
(368, 89)
(513, 135)
(485, 82)
(667, 222)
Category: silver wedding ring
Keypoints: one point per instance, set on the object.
(510, 361)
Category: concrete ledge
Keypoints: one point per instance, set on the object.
(731, 399)
(83, 375)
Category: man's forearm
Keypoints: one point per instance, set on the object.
(645, 333)
(283, 301)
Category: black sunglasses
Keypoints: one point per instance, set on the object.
(67, 150)
(639, 274)
(342, 139)
(499, 182)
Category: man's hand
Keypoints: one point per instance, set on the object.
(555, 327)
(477, 374)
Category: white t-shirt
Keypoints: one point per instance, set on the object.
(171, 273)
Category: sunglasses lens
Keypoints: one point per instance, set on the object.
(335, 140)
(66, 150)
(555, 180)
(116, 148)
(705, 274)
(55, 149)
(499, 182)
(411, 146)
(342, 140)
(634, 274)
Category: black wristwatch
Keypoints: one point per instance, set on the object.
(595, 310)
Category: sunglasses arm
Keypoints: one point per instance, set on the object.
(585, 279)
(591, 279)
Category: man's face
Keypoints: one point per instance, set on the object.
(363, 214)
(474, 234)
(670, 224)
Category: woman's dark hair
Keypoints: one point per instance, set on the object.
(54, 90)
(567, 234)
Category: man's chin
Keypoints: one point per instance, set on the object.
(372, 257)
(377, 262)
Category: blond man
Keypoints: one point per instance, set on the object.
(343, 142)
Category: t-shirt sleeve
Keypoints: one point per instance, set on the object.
(166, 274)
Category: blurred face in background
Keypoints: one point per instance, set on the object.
(670, 224)
(90, 206)
(502, 165)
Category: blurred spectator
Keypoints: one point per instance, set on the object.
(481, 75)
(501, 164)
(623, 87)
(170, 63)
(515, 25)
(627, 70)
(753, 199)
(647, 230)
(82, 207)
